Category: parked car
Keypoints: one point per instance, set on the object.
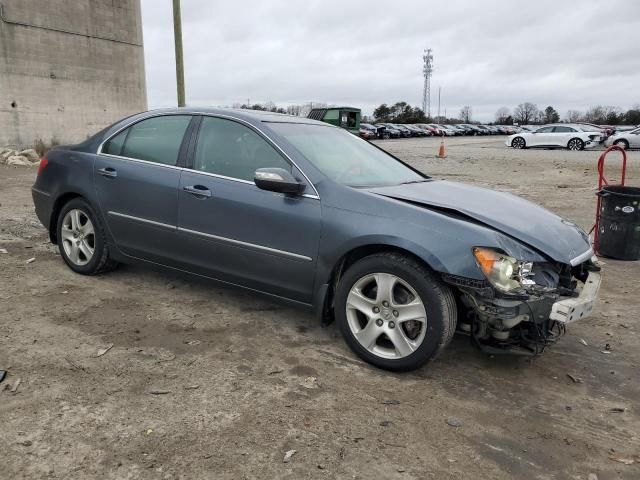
(430, 129)
(446, 130)
(306, 211)
(417, 131)
(569, 136)
(437, 129)
(390, 129)
(473, 129)
(625, 139)
(590, 127)
(458, 129)
(368, 132)
(403, 130)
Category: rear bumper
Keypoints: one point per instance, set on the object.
(43, 205)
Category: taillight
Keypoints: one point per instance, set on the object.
(43, 164)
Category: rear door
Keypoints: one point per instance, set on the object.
(234, 231)
(136, 176)
(634, 138)
(563, 134)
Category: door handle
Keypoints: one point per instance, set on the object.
(198, 191)
(108, 172)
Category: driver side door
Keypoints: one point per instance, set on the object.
(542, 137)
(232, 230)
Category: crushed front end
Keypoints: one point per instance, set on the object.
(523, 307)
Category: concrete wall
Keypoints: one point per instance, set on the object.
(63, 87)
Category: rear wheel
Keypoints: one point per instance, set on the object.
(622, 144)
(81, 239)
(393, 312)
(575, 144)
(518, 142)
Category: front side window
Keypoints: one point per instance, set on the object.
(345, 158)
(545, 130)
(233, 150)
(156, 139)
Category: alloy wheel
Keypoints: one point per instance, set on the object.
(386, 315)
(518, 142)
(78, 237)
(575, 144)
(622, 144)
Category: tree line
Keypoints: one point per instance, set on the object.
(296, 110)
(527, 113)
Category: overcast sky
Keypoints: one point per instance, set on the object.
(569, 54)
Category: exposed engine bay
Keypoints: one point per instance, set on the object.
(531, 317)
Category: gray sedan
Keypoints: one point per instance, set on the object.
(309, 213)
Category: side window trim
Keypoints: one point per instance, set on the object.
(128, 126)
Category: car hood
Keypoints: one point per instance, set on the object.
(529, 223)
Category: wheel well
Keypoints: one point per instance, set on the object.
(348, 259)
(61, 201)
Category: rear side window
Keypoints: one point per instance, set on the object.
(564, 130)
(156, 139)
(232, 150)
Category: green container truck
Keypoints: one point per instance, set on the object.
(345, 117)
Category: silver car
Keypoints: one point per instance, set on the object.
(626, 139)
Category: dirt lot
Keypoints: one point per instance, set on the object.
(239, 380)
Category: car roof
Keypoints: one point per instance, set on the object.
(240, 113)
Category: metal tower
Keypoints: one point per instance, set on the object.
(427, 70)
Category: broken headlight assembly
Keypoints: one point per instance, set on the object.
(504, 272)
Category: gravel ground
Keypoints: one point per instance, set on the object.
(204, 381)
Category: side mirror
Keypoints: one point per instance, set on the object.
(277, 180)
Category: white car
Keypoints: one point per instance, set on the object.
(627, 139)
(569, 136)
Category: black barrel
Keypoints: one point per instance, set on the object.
(619, 235)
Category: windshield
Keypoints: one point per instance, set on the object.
(345, 158)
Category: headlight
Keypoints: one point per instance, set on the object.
(503, 272)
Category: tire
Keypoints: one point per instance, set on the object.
(622, 144)
(519, 142)
(393, 343)
(78, 223)
(575, 144)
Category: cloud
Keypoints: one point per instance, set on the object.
(569, 54)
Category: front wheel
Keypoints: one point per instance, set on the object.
(518, 142)
(393, 312)
(622, 144)
(575, 144)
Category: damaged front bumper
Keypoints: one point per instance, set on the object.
(571, 309)
(525, 323)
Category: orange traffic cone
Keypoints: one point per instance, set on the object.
(441, 153)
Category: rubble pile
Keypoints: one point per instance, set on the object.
(22, 158)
